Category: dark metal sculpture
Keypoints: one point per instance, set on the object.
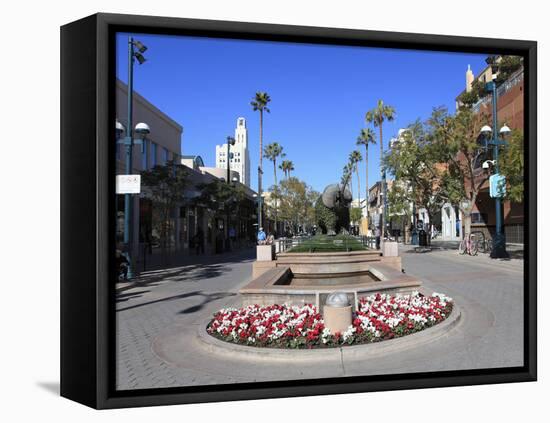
(332, 209)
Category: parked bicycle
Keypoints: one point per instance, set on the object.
(468, 245)
(484, 244)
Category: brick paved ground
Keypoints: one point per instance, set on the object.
(159, 318)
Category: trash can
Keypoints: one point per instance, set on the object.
(422, 238)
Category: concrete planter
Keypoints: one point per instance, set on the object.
(265, 252)
(390, 249)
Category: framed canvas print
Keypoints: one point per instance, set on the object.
(259, 211)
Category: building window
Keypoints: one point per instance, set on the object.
(479, 217)
(144, 155)
(165, 155)
(153, 154)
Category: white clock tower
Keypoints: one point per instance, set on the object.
(239, 160)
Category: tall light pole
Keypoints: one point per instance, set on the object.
(499, 241)
(129, 141)
(230, 142)
(260, 172)
(497, 183)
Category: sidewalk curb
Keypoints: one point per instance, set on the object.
(355, 352)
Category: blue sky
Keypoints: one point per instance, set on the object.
(320, 95)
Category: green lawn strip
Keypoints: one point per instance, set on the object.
(325, 243)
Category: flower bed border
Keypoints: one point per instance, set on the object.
(364, 350)
(359, 351)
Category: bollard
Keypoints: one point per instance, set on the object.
(337, 312)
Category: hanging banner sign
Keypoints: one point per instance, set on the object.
(128, 184)
(497, 186)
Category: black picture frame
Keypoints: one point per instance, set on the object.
(87, 299)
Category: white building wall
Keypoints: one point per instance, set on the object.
(239, 160)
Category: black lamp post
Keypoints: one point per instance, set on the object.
(230, 142)
(496, 181)
(128, 141)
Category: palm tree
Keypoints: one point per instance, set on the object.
(287, 166)
(366, 137)
(378, 116)
(346, 176)
(354, 158)
(271, 152)
(259, 104)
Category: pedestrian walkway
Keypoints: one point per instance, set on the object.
(163, 315)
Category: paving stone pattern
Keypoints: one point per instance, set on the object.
(168, 305)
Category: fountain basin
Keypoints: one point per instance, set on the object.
(280, 285)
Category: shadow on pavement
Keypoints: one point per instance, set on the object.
(130, 296)
(160, 300)
(208, 298)
(205, 259)
(181, 274)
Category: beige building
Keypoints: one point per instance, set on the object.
(239, 159)
(162, 144)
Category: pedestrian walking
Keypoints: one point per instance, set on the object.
(261, 237)
(377, 236)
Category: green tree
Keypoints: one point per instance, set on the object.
(512, 166)
(164, 185)
(469, 98)
(507, 65)
(399, 204)
(455, 141)
(355, 214)
(223, 200)
(414, 162)
(296, 200)
(377, 116)
(366, 137)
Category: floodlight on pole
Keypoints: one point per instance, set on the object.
(140, 46)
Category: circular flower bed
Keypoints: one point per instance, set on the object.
(379, 317)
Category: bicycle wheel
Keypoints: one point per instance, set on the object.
(462, 247)
(473, 248)
(489, 245)
(480, 245)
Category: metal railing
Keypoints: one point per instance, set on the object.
(501, 90)
(346, 244)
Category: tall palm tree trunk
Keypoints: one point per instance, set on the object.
(260, 169)
(276, 189)
(358, 186)
(261, 139)
(383, 179)
(367, 183)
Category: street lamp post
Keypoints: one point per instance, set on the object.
(260, 172)
(499, 242)
(230, 142)
(129, 141)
